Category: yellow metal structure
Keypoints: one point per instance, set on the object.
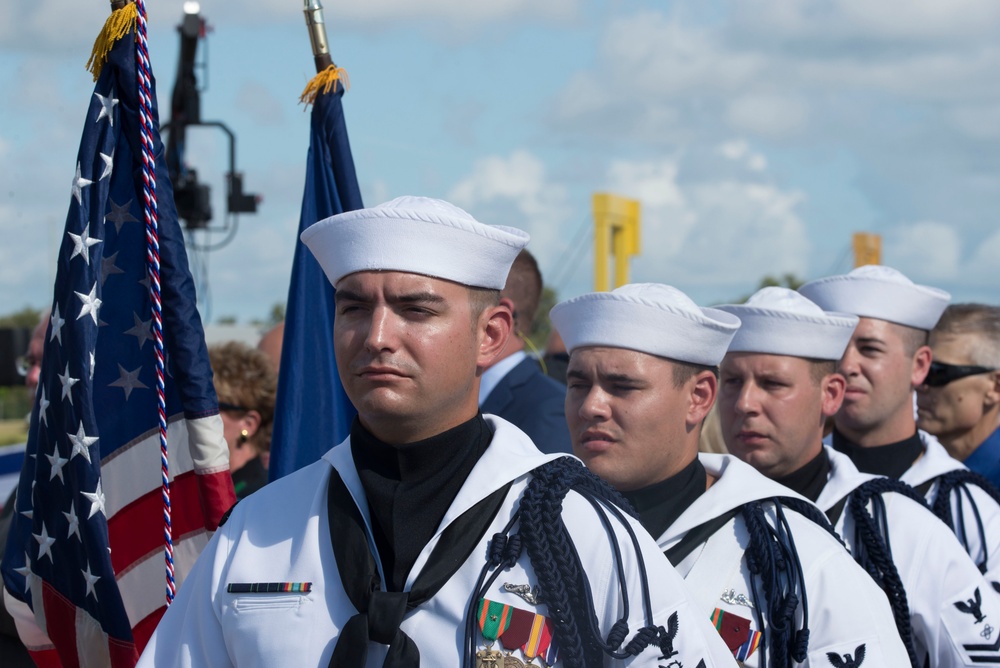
(616, 235)
(867, 248)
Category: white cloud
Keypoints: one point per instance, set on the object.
(519, 178)
(70, 27)
(768, 115)
(260, 104)
(982, 269)
(925, 250)
(738, 150)
(714, 231)
(517, 190)
(857, 20)
(778, 68)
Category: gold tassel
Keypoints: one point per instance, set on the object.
(120, 23)
(323, 83)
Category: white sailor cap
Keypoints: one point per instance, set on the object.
(416, 235)
(883, 293)
(648, 317)
(780, 321)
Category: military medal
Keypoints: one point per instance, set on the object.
(494, 618)
(511, 661)
(538, 640)
(737, 633)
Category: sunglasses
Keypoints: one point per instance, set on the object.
(940, 374)
(25, 363)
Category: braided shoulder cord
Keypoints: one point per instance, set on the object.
(958, 482)
(561, 580)
(872, 549)
(810, 512)
(778, 583)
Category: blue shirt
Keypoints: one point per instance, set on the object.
(985, 460)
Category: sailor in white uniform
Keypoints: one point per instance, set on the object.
(887, 359)
(779, 586)
(778, 386)
(433, 535)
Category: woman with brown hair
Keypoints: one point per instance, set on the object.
(246, 385)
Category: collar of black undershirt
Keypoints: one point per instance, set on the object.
(410, 487)
(660, 504)
(892, 460)
(810, 479)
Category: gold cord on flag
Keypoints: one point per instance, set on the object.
(119, 24)
(323, 83)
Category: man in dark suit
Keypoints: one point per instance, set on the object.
(514, 387)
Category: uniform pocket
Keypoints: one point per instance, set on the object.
(267, 602)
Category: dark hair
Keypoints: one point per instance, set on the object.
(481, 299)
(913, 338)
(682, 372)
(820, 369)
(524, 288)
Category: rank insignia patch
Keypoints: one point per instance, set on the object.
(972, 606)
(848, 661)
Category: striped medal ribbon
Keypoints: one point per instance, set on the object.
(494, 619)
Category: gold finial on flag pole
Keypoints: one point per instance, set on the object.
(121, 22)
(317, 34)
(328, 74)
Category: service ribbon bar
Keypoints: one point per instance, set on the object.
(269, 587)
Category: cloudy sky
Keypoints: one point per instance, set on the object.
(758, 134)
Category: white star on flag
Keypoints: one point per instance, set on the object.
(57, 464)
(109, 268)
(29, 576)
(74, 522)
(79, 183)
(109, 165)
(107, 106)
(82, 244)
(44, 543)
(91, 580)
(43, 406)
(96, 499)
(81, 443)
(67, 383)
(56, 322)
(141, 330)
(90, 303)
(120, 215)
(128, 381)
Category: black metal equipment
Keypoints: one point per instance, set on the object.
(192, 197)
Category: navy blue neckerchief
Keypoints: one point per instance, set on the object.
(380, 613)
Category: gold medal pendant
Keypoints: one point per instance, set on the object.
(490, 658)
(511, 661)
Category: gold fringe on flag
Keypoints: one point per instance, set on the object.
(120, 23)
(323, 83)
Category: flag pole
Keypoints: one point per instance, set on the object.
(328, 74)
(317, 34)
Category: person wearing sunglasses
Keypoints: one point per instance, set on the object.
(886, 361)
(959, 401)
(246, 385)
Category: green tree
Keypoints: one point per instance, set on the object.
(540, 329)
(26, 318)
(790, 281)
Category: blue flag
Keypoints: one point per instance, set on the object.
(312, 413)
(85, 549)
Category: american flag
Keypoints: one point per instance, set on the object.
(85, 552)
(312, 412)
